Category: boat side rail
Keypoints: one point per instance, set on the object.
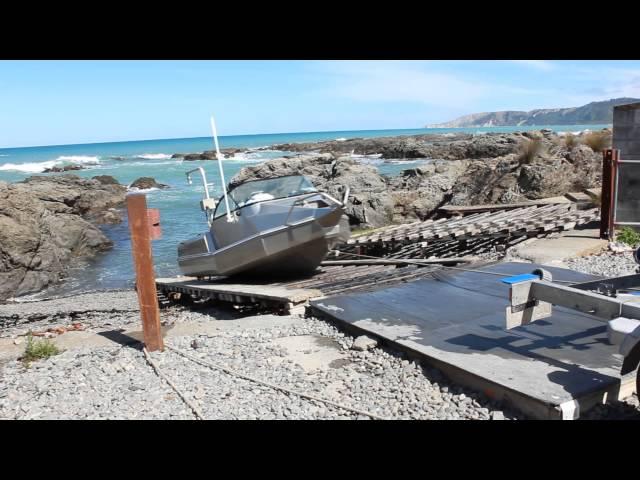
(298, 202)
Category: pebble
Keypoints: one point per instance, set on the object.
(607, 264)
(363, 343)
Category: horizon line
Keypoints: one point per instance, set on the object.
(207, 136)
(428, 127)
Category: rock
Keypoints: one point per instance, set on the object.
(66, 168)
(195, 344)
(363, 343)
(199, 156)
(106, 179)
(370, 204)
(145, 183)
(110, 217)
(227, 152)
(471, 170)
(456, 147)
(619, 247)
(44, 228)
(497, 415)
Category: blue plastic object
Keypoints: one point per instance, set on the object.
(525, 277)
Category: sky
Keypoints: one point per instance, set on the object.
(68, 102)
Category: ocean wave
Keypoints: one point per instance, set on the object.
(151, 164)
(404, 162)
(154, 156)
(140, 190)
(564, 134)
(85, 159)
(341, 139)
(33, 167)
(3, 155)
(246, 157)
(39, 167)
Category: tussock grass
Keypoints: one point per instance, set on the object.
(529, 149)
(571, 141)
(38, 349)
(598, 141)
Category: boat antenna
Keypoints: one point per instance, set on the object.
(220, 157)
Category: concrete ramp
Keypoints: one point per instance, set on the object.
(554, 368)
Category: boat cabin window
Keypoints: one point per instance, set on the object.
(263, 190)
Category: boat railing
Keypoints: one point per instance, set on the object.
(299, 201)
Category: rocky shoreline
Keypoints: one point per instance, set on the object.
(49, 222)
(457, 170)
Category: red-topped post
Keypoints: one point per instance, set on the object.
(141, 235)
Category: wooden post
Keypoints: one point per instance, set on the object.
(607, 198)
(145, 276)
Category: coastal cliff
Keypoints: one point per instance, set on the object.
(592, 113)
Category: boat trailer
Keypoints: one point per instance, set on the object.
(614, 300)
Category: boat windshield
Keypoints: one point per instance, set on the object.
(270, 189)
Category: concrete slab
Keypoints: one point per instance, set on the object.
(553, 251)
(551, 369)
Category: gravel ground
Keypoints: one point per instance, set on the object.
(607, 264)
(96, 312)
(117, 382)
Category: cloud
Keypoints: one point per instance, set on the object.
(607, 82)
(397, 81)
(543, 65)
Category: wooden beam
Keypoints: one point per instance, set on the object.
(145, 276)
(465, 209)
(390, 261)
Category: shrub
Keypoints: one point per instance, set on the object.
(38, 349)
(529, 149)
(628, 236)
(598, 141)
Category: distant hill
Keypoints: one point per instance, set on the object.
(592, 113)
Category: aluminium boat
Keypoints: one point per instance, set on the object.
(274, 226)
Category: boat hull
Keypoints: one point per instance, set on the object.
(283, 251)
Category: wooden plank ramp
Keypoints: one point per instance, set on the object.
(482, 232)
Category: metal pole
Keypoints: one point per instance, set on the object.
(615, 159)
(220, 158)
(607, 195)
(145, 276)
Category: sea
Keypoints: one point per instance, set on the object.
(180, 214)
